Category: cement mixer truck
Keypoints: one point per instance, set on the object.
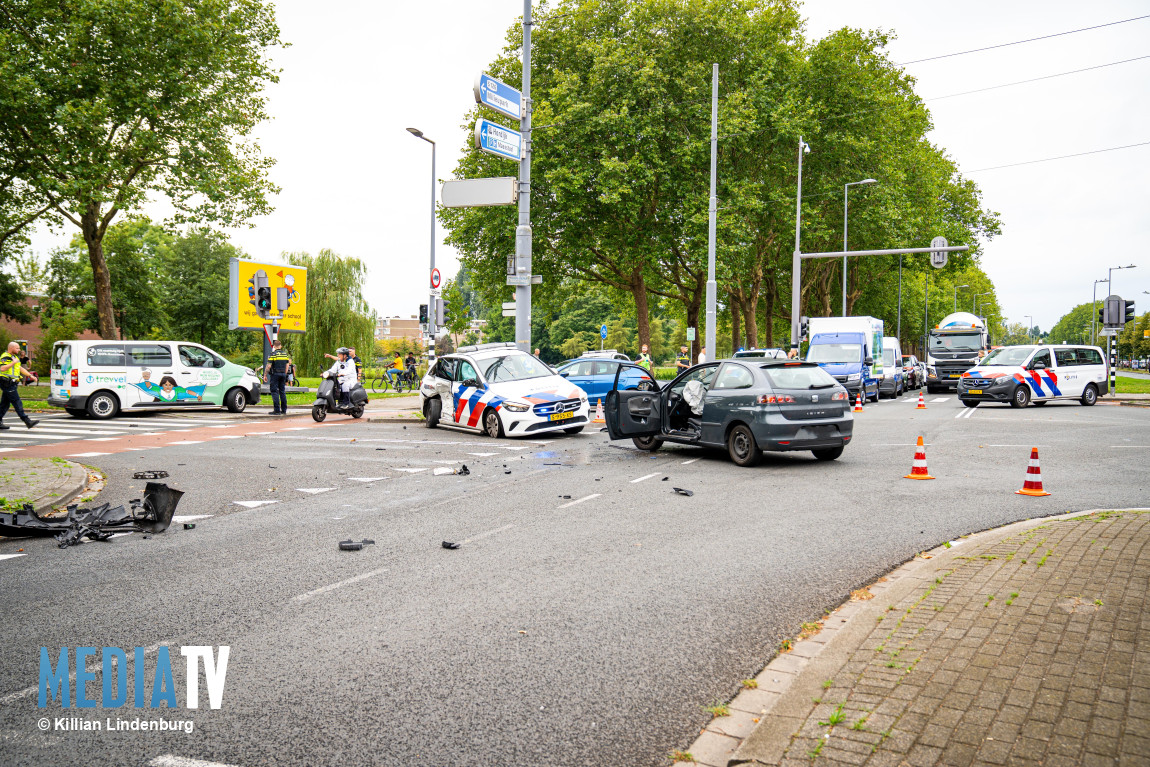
(954, 346)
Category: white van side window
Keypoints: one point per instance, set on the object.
(109, 356)
(149, 355)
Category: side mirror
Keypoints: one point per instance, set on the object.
(868, 361)
(471, 382)
(565, 374)
(1038, 366)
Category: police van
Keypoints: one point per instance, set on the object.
(1039, 374)
(104, 378)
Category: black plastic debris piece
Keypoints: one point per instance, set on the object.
(153, 514)
(451, 545)
(354, 545)
(507, 471)
(270, 466)
(189, 525)
(154, 474)
(381, 448)
(665, 479)
(566, 497)
(463, 471)
(681, 491)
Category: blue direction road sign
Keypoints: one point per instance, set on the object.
(497, 140)
(499, 96)
(603, 332)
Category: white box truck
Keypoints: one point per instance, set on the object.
(850, 349)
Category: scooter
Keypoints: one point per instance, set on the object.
(326, 401)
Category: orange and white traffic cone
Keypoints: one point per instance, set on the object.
(858, 403)
(599, 413)
(1033, 483)
(919, 470)
(921, 402)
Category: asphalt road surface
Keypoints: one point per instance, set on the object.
(587, 618)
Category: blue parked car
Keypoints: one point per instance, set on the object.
(597, 376)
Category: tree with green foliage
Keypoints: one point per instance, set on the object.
(458, 317)
(105, 103)
(337, 312)
(195, 288)
(1074, 326)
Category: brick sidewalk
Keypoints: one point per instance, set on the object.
(1031, 646)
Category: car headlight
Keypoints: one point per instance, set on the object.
(854, 376)
(516, 407)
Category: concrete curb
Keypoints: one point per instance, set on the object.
(763, 719)
(48, 493)
(73, 487)
(415, 417)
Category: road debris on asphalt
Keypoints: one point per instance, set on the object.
(462, 471)
(189, 525)
(681, 491)
(152, 474)
(152, 514)
(350, 545)
(451, 545)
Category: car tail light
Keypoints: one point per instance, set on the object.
(75, 377)
(776, 399)
(840, 395)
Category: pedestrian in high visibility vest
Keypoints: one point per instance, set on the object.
(11, 376)
(276, 371)
(644, 360)
(684, 360)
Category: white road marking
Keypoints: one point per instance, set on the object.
(229, 436)
(27, 434)
(11, 556)
(168, 760)
(223, 426)
(513, 447)
(101, 439)
(314, 490)
(149, 447)
(941, 399)
(1138, 446)
(253, 433)
(488, 533)
(640, 479)
(371, 479)
(580, 500)
(295, 428)
(187, 442)
(412, 471)
(86, 455)
(253, 504)
(181, 519)
(967, 413)
(690, 461)
(1028, 444)
(339, 584)
(10, 449)
(481, 455)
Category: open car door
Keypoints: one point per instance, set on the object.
(633, 412)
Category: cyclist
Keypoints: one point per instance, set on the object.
(409, 363)
(396, 368)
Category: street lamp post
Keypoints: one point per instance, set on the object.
(976, 302)
(846, 190)
(431, 296)
(956, 287)
(1030, 326)
(796, 261)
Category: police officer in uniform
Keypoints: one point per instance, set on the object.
(11, 376)
(278, 367)
(684, 360)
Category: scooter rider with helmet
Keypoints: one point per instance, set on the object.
(343, 371)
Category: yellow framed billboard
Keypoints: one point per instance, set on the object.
(288, 295)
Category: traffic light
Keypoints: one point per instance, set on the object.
(1127, 312)
(260, 293)
(423, 314)
(1102, 314)
(804, 325)
(441, 312)
(1112, 318)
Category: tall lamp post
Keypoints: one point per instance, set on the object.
(796, 261)
(1094, 310)
(431, 314)
(846, 194)
(956, 287)
(975, 302)
(1029, 327)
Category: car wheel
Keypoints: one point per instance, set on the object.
(573, 430)
(741, 446)
(877, 395)
(1089, 395)
(236, 400)
(1040, 403)
(970, 402)
(76, 412)
(319, 412)
(828, 453)
(1021, 397)
(647, 443)
(432, 409)
(491, 424)
(103, 405)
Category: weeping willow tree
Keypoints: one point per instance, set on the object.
(337, 313)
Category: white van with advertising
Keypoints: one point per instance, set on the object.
(1039, 374)
(104, 378)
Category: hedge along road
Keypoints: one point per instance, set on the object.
(588, 616)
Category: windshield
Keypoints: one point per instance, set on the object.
(888, 358)
(835, 353)
(514, 367)
(799, 378)
(1008, 356)
(956, 342)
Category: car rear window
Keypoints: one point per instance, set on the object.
(62, 357)
(799, 377)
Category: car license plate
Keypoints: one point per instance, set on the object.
(562, 416)
(974, 391)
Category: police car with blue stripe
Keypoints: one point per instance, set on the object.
(1021, 375)
(502, 392)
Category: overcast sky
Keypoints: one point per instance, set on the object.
(361, 71)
